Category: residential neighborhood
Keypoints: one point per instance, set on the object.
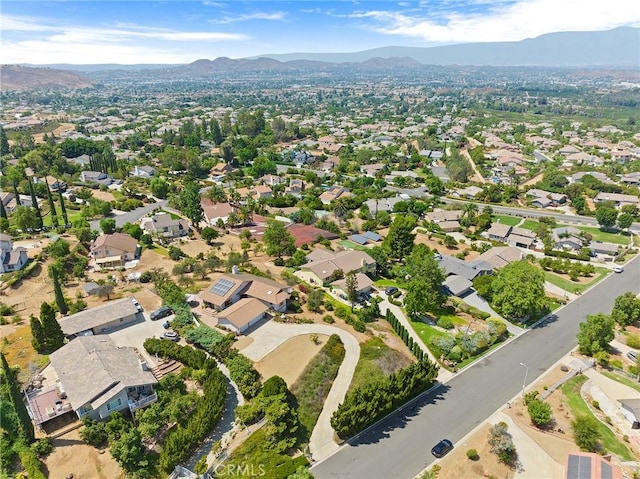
(262, 276)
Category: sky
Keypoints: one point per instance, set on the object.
(181, 31)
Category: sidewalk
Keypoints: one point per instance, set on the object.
(558, 291)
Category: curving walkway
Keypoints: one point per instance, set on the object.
(270, 335)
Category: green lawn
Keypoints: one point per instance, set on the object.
(385, 283)
(427, 332)
(530, 225)
(507, 220)
(571, 390)
(173, 215)
(606, 236)
(160, 250)
(72, 215)
(627, 381)
(377, 361)
(351, 245)
(572, 287)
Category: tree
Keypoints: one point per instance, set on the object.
(26, 426)
(55, 275)
(351, 286)
(399, 240)
(209, 234)
(539, 412)
(606, 216)
(59, 248)
(129, 451)
(518, 290)
(424, 289)
(190, 204)
(63, 208)
(501, 443)
(278, 240)
(624, 221)
(626, 309)
(586, 432)
(26, 218)
(301, 473)
(133, 230)
(37, 334)
(104, 291)
(53, 335)
(34, 202)
(159, 188)
(315, 299)
(52, 207)
(595, 334)
(108, 226)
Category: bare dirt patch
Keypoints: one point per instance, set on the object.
(290, 358)
(434, 244)
(72, 456)
(456, 465)
(103, 195)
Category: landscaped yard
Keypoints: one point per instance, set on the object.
(605, 236)
(377, 360)
(507, 220)
(351, 245)
(571, 390)
(627, 381)
(574, 286)
(530, 225)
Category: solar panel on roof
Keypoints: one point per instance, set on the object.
(222, 286)
(372, 236)
(579, 467)
(358, 239)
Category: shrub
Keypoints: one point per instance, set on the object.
(586, 432)
(359, 326)
(42, 447)
(278, 262)
(633, 341)
(473, 454)
(327, 318)
(93, 433)
(146, 277)
(539, 412)
(445, 322)
(31, 463)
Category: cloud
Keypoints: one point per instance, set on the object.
(117, 43)
(272, 16)
(498, 21)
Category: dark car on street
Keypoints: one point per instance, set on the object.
(160, 313)
(442, 448)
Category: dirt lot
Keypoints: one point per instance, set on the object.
(103, 195)
(289, 360)
(72, 456)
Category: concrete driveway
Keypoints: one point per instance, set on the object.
(134, 336)
(270, 335)
(473, 299)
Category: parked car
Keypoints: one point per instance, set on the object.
(160, 313)
(136, 304)
(442, 448)
(618, 269)
(390, 290)
(171, 336)
(633, 356)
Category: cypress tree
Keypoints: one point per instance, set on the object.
(3, 212)
(53, 335)
(57, 289)
(52, 206)
(15, 191)
(63, 208)
(34, 200)
(26, 426)
(37, 334)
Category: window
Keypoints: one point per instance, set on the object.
(114, 404)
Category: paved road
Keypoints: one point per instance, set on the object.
(131, 216)
(399, 446)
(537, 213)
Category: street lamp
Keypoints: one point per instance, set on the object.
(526, 372)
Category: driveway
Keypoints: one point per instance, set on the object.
(134, 336)
(131, 216)
(270, 335)
(477, 301)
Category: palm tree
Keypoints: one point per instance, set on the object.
(339, 208)
(469, 212)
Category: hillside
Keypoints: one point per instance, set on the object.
(15, 77)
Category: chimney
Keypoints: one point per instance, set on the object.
(143, 365)
(234, 269)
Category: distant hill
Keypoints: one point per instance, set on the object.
(619, 47)
(15, 77)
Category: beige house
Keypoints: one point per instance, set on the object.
(364, 284)
(92, 377)
(319, 271)
(242, 315)
(101, 319)
(162, 225)
(114, 250)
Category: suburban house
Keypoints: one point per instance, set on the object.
(366, 237)
(501, 256)
(469, 270)
(608, 249)
(382, 204)
(114, 250)
(295, 188)
(630, 409)
(512, 235)
(618, 199)
(447, 220)
(143, 171)
(364, 284)
(101, 319)
(11, 259)
(221, 169)
(256, 192)
(333, 193)
(308, 234)
(567, 237)
(162, 225)
(242, 315)
(373, 169)
(229, 289)
(215, 212)
(92, 377)
(10, 203)
(273, 180)
(324, 263)
(96, 177)
(54, 183)
(457, 285)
